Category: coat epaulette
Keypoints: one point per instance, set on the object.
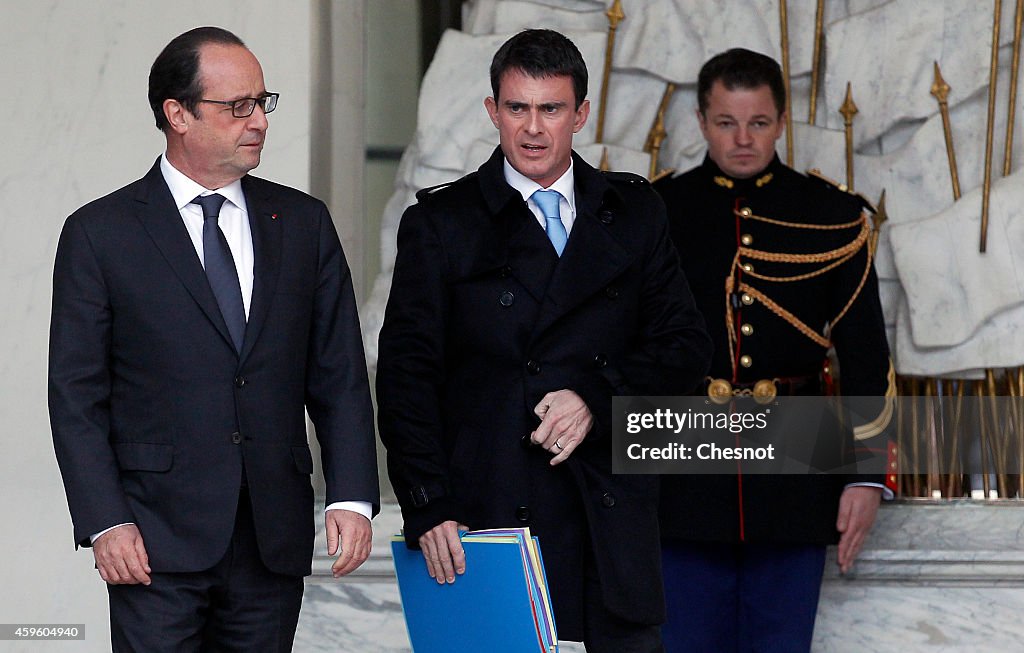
(814, 173)
(423, 193)
(627, 177)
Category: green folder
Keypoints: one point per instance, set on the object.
(500, 605)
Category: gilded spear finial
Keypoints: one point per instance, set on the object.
(604, 166)
(849, 110)
(940, 89)
(615, 16)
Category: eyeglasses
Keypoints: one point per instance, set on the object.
(243, 107)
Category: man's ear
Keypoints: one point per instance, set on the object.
(702, 122)
(581, 116)
(492, 110)
(177, 116)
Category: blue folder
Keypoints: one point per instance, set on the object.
(500, 605)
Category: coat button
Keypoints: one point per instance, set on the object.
(533, 367)
(606, 217)
(236, 437)
(608, 500)
(748, 267)
(611, 292)
(506, 298)
(601, 361)
(747, 239)
(747, 329)
(746, 361)
(239, 381)
(523, 514)
(746, 299)
(505, 272)
(746, 212)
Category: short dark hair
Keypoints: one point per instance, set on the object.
(540, 53)
(175, 72)
(741, 68)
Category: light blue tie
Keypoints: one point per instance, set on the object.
(547, 200)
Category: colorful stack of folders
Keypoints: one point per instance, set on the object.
(500, 605)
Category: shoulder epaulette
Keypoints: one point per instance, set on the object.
(423, 193)
(627, 177)
(814, 173)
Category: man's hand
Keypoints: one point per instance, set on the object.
(443, 552)
(564, 421)
(858, 506)
(352, 534)
(121, 556)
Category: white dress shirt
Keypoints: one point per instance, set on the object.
(565, 185)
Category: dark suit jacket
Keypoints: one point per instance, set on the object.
(704, 226)
(153, 412)
(483, 320)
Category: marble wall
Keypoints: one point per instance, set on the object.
(950, 310)
(77, 126)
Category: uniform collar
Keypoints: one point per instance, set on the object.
(733, 185)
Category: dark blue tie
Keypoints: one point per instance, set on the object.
(547, 200)
(220, 269)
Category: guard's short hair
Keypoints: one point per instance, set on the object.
(540, 53)
(741, 68)
(175, 72)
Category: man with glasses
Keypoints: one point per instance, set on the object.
(196, 313)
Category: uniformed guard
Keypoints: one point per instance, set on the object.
(780, 265)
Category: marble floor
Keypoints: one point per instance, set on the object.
(943, 578)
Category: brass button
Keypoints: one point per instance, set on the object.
(746, 299)
(746, 212)
(747, 330)
(746, 361)
(748, 267)
(747, 239)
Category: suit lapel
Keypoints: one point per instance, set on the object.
(266, 244)
(162, 221)
(592, 258)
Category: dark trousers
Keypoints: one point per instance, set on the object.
(237, 605)
(725, 598)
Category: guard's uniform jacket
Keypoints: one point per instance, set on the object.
(771, 261)
(483, 320)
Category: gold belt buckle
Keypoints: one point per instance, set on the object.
(721, 391)
(765, 391)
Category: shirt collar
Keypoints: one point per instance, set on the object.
(184, 189)
(565, 185)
